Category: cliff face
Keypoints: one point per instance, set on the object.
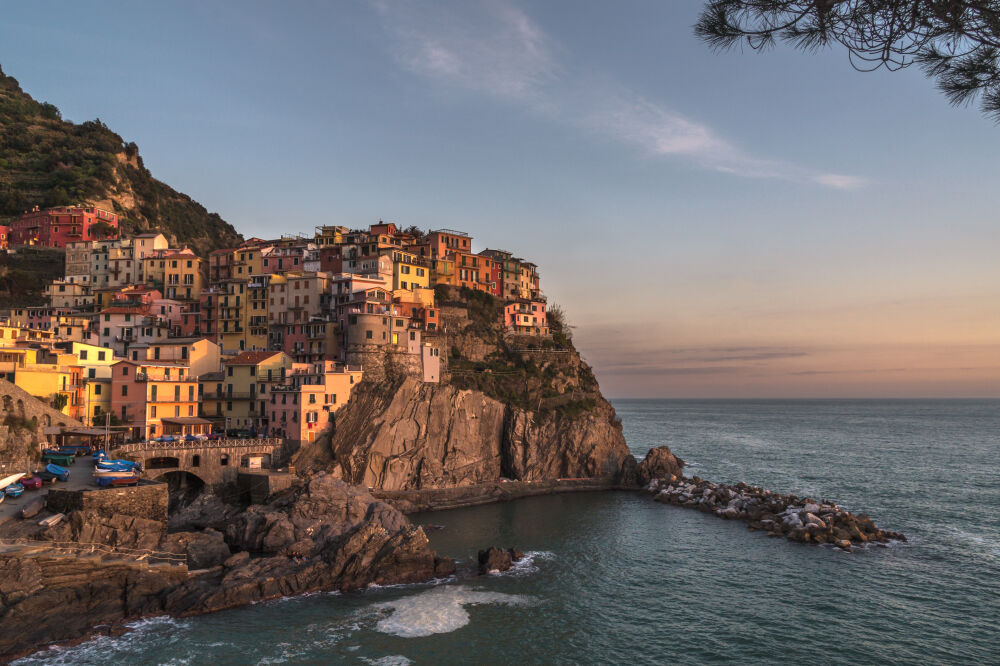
(504, 410)
(423, 436)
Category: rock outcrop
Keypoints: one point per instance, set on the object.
(659, 463)
(426, 436)
(326, 535)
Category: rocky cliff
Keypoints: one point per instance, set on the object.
(520, 409)
(323, 535)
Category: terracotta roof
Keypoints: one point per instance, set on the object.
(251, 358)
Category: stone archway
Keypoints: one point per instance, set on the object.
(8, 404)
(46, 420)
(20, 408)
(183, 487)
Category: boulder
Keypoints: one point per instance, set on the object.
(659, 463)
(443, 567)
(493, 559)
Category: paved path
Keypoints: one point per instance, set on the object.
(81, 475)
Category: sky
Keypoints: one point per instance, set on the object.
(728, 224)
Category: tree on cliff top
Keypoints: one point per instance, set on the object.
(956, 42)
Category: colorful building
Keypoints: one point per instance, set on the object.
(56, 227)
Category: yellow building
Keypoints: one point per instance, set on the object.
(257, 313)
(247, 380)
(96, 401)
(408, 272)
(246, 262)
(53, 377)
(233, 316)
(182, 279)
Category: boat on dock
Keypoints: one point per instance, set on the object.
(11, 479)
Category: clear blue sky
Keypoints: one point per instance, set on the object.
(715, 225)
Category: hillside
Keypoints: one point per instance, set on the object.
(47, 161)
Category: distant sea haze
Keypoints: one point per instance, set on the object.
(614, 577)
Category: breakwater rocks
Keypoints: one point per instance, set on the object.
(496, 559)
(797, 518)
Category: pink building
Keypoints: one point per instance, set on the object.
(56, 227)
(301, 408)
(526, 317)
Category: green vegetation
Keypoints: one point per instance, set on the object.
(46, 161)
(59, 401)
(545, 376)
(24, 275)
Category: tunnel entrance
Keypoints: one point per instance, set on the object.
(183, 487)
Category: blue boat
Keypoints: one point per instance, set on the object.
(60, 473)
(119, 465)
(99, 455)
(14, 490)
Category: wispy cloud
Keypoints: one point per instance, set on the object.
(494, 48)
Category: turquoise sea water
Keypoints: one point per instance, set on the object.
(617, 578)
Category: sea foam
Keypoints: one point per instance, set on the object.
(437, 611)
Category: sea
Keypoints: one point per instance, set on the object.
(615, 578)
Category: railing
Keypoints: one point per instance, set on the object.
(234, 443)
(85, 548)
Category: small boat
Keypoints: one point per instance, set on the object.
(60, 473)
(33, 508)
(14, 490)
(118, 481)
(9, 480)
(31, 483)
(118, 464)
(51, 520)
(99, 455)
(65, 459)
(113, 473)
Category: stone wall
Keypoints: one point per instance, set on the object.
(256, 487)
(17, 402)
(148, 500)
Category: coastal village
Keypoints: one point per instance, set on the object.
(267, 339)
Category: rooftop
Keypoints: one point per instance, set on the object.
(251, 358)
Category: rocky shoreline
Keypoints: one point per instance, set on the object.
(800, 519)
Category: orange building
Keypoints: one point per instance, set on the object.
(156, 398)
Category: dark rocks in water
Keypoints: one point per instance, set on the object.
(444, 567)
(798, 519)
(494, 559)
(515, 555)
(659, 463)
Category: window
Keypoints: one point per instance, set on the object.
(195, 460)
(97, 389)
(83, 354)
(312, 398)
(124, 389)
(190, 393)
(152, 412)
(224, 460)
(368, 335)
(100, 356)
(253, 370)
(229, 371)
